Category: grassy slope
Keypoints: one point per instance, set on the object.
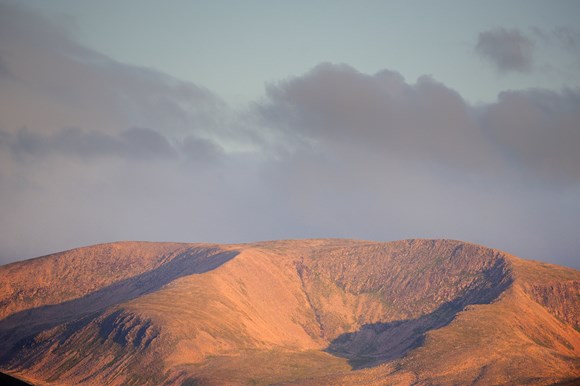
(266, 315)
(514, 340)
(72, 274)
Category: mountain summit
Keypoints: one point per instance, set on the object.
(316, 312)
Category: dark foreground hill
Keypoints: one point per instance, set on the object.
(316, 312)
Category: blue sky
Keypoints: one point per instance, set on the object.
(244, 121)
(234, 48)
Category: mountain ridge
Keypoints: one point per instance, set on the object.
(315, 311)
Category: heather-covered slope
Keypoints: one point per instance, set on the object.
(313, 311)
(76, 273)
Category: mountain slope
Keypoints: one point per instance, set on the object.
(308, 311)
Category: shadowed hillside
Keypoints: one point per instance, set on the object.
(306, 311)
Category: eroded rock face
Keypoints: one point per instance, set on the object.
(560, 298)
(335, 311)
(375, 302)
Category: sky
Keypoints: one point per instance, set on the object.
(221, 121)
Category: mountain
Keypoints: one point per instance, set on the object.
(316, 312)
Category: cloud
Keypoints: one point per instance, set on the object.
(533, 132)
(539, 131)
(507, 50)
(93, 150)
(69, 85)
(381, 113)
(374, 155)
(138, 143)
(4, 72)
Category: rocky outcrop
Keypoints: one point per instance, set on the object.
(562, 299)
(314, 311)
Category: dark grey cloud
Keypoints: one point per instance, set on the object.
(507, 50)
(134, 144)
(381, 112)
(533, 131)
(138, 143)
(539, 131)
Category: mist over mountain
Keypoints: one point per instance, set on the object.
(318, 312)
